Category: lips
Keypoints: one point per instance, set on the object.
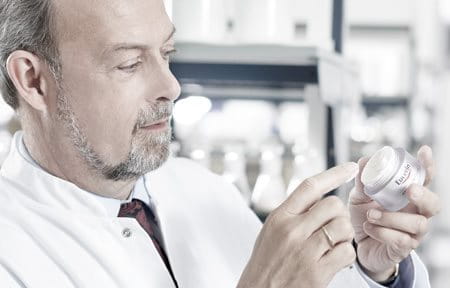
(158, 124)
(153, 124)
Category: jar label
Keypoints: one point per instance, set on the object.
(404, 177)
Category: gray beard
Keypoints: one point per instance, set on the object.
(148, 152)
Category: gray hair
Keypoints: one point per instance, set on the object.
(26, 25)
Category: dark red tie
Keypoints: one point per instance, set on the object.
(148, 220)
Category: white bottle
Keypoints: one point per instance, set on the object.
(264, 21)
(270, 190)
(235, 173)
(200, 20)
(387, 175)
(306, 164)
(299, 174)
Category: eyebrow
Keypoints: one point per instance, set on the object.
(129, 46)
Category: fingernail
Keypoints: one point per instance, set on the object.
(416, 193)
(374, 214)
(367, 226)
(427, 150)
(352, 168)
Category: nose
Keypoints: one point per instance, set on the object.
(167, 85)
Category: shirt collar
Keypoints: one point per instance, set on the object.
(111, 205)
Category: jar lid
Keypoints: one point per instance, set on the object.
(380, 167)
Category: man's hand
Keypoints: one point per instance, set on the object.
(292, 249)
(386, 238)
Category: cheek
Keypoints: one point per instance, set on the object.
(110, 130)
(107, 116)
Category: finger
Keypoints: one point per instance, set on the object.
(343, 255)
(425, 157)
(362, 162)
(427, 202)
(400, 244)
(357, 195)
(313, 188)
(339, 230)
(323, 212)
(403, 222)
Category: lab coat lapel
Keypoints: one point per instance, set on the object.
(181, 236)
(160, 187)
(199, 258)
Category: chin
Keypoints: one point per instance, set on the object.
(147, 154)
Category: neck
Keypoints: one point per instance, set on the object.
(64, 162)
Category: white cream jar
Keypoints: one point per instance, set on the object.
(388, 174)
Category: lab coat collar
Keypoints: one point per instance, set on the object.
(20, 165)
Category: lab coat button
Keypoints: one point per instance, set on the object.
(126, 232)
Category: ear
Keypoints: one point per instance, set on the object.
(26, 71)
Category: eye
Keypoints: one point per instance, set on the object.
(167, 54)
(130, 68)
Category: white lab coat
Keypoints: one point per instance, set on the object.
(53, 234)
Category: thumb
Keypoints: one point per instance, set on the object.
(425, 157)
(357, 196)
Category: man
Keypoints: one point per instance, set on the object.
(90, 197)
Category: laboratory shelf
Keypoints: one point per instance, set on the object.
(378, 102)
(325, 80)
(275, 95)
(265, 66)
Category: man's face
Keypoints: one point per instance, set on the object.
(115, 83)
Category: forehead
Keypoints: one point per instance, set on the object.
(102, 22)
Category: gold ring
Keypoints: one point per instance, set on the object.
(328, 236)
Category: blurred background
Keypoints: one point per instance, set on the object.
(274, 91)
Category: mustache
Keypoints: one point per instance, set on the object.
(156, 113)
